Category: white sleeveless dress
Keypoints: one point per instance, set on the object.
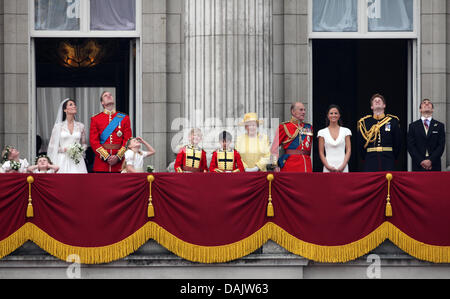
(335, 149)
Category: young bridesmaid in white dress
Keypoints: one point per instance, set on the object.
(334, 143)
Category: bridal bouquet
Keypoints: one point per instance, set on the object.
(75, 152)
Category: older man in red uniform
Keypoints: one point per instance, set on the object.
(109, 133)
(296, 137)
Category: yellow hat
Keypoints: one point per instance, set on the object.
(251, 117)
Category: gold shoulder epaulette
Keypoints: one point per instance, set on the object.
(391, 115)
(363, 118)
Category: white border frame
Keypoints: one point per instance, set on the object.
(84, 31)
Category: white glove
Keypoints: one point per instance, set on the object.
(254, 169)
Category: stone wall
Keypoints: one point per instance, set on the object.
(14, 109)
(433, 64)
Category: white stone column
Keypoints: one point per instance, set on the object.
(228, 60)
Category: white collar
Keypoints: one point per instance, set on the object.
(423, 118)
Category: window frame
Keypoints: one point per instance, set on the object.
(85, 19)
(363, 25)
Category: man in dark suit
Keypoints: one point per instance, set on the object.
(426, 140)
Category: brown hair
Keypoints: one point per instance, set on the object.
(377, 95)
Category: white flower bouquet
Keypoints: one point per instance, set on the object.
(75, 152)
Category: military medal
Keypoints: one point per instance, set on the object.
(119, 133)
(387, 127)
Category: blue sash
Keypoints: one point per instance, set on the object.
(111, 127)
(293, 145)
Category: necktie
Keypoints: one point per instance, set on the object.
(425, 122)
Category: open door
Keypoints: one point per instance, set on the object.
(347, 73)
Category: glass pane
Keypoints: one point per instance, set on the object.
(335, 15)
(57, 14)
(113, 15)
(390, 15)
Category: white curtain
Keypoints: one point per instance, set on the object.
(390, 15)
(57, 14)
(113, 14)
(335, 15)
(48, 100)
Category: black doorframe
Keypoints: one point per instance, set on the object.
(347, 72)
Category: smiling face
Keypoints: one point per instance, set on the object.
(251, 127)
(333, 115)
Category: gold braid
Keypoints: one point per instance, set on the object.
(372, 134)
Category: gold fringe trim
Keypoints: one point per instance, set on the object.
(329, 254)
(90, 255)
(229, 252)
(419, 250)
(211, 254)
(14, 241)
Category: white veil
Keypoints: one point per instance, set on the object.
(53, 145)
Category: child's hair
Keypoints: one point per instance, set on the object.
(5, 153)
(43, 156)
(195, 131)
(129, 141)
(225, 136)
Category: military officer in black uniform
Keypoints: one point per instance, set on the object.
(379, 137)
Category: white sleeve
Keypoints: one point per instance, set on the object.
(348, 132)
(129, 157)
(321, 133)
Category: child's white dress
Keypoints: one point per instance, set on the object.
(135, 159)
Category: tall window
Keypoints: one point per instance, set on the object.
(85, 17)
(368, 17)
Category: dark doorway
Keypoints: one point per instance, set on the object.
(348, 73)
(112, 69)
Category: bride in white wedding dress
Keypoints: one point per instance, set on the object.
(334, 143)
(66, 134)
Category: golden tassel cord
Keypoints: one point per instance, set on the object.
(150, 208)
(270, 212)
(30, 212)
(388, 211)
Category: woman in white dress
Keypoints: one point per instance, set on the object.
(68, 134)
(334, 143)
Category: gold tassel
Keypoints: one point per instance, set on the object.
(270, 212)
(388, 211)
(150, 208)
(30, 212)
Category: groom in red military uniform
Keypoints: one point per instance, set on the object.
(296, 138)
(109, 133)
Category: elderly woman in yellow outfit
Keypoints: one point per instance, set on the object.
(253, 146)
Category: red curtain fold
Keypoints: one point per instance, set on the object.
(421, 206)
(89, 210)
(327, 208)
(210, 209)
(13, 201)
